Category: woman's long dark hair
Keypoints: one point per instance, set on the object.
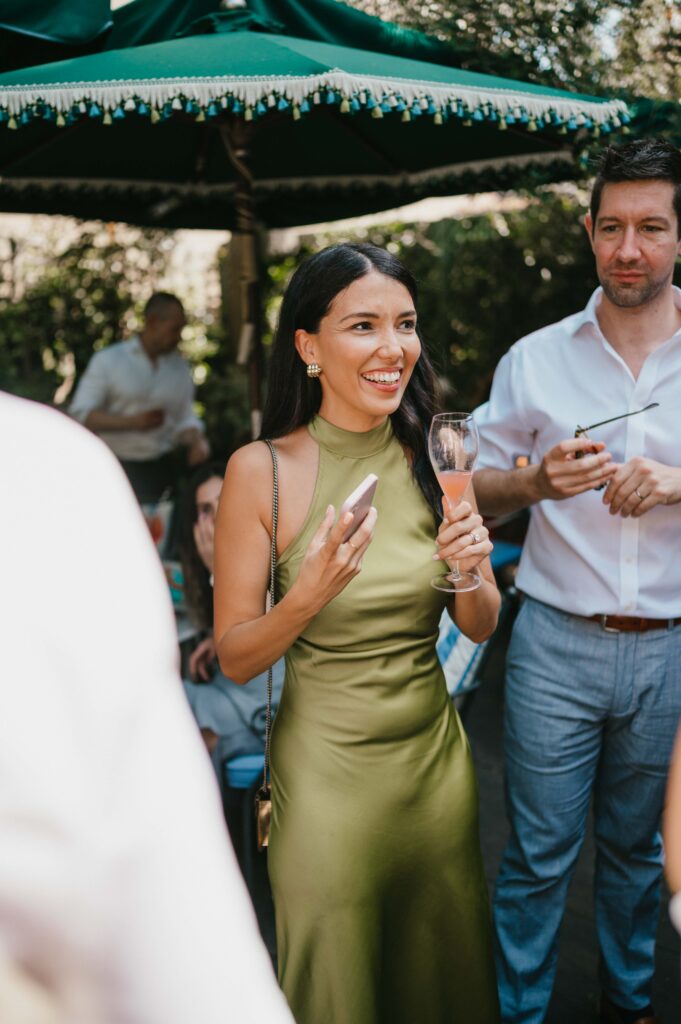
(198, 592)
(293, 399)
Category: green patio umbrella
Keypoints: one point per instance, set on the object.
(238, 122)
(39, 31)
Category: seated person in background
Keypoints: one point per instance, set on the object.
(138, 396)
(231, 717)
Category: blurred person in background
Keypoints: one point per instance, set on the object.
(120, 898)
(138, 396)
(231, 717)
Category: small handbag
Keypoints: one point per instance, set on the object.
(263, 797)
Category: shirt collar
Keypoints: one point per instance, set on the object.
(588, 316)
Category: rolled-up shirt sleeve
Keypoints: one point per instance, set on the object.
(92, 390)
(503, 421)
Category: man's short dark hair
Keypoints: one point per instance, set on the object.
(640, 160)
(159, 304)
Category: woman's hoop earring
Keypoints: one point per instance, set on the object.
(314, 370)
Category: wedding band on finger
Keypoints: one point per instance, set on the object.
(352, 545)
(475, 537)
(641, 497)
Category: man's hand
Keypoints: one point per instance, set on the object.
(641, 484)
(198, 451)
(201, 667)
(561, 474)
(148, 420)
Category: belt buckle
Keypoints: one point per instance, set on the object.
(603, 619)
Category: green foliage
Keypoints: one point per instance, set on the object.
(587, 45)
(56, 311)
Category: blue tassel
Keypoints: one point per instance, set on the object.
(94, 111)
(4, 116)
(355, 105)
(478, 114)
(118, 113)
(260, 108)
(330, 97)
(572, 124)
(371, 102)
(212, 110)
(509, 119)
(143, 108)
(304, 107)
(283, 104)
(431, 108)
(25, 117)
(238, 107)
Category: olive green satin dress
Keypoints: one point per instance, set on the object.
(381, 903)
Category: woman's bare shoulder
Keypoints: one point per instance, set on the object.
(250, 458)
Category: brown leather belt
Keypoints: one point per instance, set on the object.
(630, 623)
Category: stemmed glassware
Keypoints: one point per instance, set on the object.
(453, 448)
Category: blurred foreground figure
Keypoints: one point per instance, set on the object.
(138, 395)
(120, 898)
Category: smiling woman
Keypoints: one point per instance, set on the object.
(380, 898)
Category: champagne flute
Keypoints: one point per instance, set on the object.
(453, 448)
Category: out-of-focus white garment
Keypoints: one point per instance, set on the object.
(122, 379)
(119, 889)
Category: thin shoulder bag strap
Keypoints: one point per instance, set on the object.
(273, 598)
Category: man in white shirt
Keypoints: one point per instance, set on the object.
(138, 396)
(593, 688)
(120, 898)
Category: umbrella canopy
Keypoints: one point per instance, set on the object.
(327, 21)
(49, 30)
(326, 131)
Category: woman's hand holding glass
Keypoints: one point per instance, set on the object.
(463, 538)
(453, 448)
(329, 564)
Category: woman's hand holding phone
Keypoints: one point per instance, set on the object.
(331, 561)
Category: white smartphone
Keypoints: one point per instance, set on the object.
(359, 503)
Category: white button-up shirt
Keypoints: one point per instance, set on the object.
(122, 380)
(119, 890)
(577, 556)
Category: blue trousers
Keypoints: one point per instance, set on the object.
(588, 714)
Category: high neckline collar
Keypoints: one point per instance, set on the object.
(354, 444)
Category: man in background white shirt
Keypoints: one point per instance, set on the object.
(593, 687)
(138, 396)
(120, 898)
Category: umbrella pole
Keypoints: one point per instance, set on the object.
(236, 137)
